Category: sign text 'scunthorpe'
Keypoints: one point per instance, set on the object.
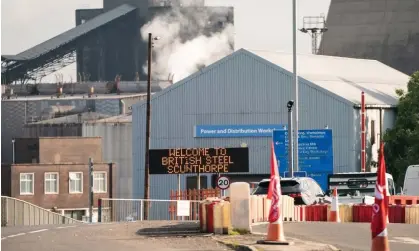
(199, 160)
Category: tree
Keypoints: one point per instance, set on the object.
(402, 141)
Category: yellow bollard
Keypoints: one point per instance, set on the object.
(226, 225)
(218, 218)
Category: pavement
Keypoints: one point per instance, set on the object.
(155, 236)
(349, 236)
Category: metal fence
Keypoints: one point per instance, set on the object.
(15, 212)
(115, 210)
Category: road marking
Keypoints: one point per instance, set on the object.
(11, 236)
(405, 240)
(65, 227)
(3, 238)
(37, 231)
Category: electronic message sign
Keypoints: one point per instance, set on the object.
(199, 160)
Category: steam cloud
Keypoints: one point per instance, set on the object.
(187, 42)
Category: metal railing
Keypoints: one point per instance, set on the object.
(116, 210)
(15, 212)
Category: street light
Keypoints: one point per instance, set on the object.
(295, 78)
(147, 129)
(290, 104)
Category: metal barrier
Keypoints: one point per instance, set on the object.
(116, 210)
(15, 212)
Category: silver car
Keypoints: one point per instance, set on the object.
(304, 190)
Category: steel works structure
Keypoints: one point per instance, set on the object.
(384, 30)
(106, 42)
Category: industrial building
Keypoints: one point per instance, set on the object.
(107, 42)
(21, 105)
(116, 134)
(387, 31)
(251, 87)
(116, 140)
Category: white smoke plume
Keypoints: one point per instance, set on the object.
(185, 43)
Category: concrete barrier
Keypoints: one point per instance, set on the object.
(240, 206)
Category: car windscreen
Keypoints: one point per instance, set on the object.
(290, 186)
(287, 187)
(262, 188)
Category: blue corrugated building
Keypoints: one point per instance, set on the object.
(252, 87)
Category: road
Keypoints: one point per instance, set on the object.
(350, 236)
(103, 237)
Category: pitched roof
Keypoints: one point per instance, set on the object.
(345, 77)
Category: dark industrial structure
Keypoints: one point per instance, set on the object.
(106, 42)
(387, 31)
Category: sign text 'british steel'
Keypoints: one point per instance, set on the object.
(199, 160)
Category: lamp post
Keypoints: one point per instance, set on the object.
(290, 140)
(295, 78)
(148, 129)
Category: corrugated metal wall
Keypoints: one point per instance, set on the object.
(240, 89)
(116, 147)
(14, 114)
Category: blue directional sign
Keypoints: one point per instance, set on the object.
(296, 174)
(315, 153)
(231, 131)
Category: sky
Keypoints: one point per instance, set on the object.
(266, 25)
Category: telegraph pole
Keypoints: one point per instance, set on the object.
(147, 133)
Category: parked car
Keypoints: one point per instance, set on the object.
(304, 190)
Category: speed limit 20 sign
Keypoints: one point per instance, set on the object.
(223, 182)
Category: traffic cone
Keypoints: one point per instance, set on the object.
(334, 212)
(380, 243)
(276, 234)
(276, 225)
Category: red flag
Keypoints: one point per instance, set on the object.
(380, 207)
(274, 170)
(274, 192)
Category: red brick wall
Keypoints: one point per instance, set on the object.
(63, 199)
(70, 149)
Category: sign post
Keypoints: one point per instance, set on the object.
(223, 183)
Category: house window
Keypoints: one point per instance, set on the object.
(51, 183)
(99, 182)
(76, 182)
(26, 183)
